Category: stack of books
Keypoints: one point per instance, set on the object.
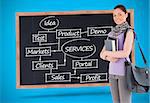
(111, 44)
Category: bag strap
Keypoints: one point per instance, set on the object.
(135, 37)
(144, 59)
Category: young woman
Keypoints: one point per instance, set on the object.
(117, 79)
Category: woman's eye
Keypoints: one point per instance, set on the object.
(114, 15)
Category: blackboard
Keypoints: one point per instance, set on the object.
(61, 49)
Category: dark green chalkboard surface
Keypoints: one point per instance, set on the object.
(61, 49)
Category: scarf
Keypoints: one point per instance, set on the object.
(120, 28)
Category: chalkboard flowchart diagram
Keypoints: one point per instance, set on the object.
(69, 48)
(61, 49)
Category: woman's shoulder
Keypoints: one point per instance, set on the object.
(130, 29)
(130, 32)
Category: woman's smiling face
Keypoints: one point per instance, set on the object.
(119, 16)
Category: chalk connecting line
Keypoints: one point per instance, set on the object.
(69, 48)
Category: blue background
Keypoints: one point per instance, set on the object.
(8, 9)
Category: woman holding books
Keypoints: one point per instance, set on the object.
(117, 79)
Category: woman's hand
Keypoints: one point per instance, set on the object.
(105, 53)
(102, 56)
(108, 58)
